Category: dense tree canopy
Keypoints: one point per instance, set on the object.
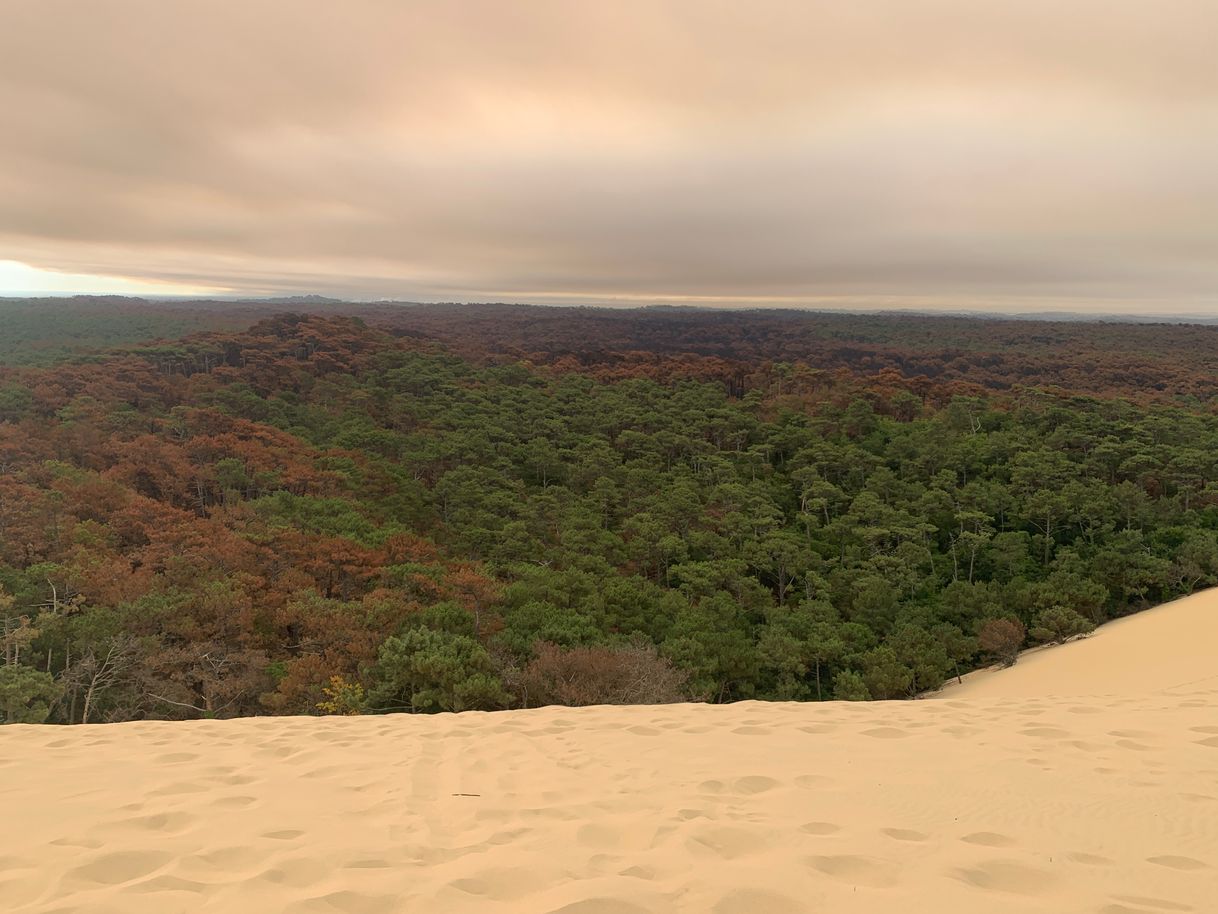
(318, 516)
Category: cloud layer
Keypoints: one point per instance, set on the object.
(1004, 154)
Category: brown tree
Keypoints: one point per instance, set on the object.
(1003, 638)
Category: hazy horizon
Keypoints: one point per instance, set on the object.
(1000, 157)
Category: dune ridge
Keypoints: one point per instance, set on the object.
(1106, 804)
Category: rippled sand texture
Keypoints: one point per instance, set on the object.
(1011, 805)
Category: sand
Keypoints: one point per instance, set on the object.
(1173, 646)
(1074, 802)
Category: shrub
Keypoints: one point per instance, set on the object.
(1060, 623)
(577, 676)
(1003, 638)
(342, 697)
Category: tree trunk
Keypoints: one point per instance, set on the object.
(84, 716)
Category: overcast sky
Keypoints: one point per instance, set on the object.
(989, 154)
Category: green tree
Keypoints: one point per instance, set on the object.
(885, 675)
(15, 402)
(849, 685)
(428, 670)
(923, 654)
(26, 695)
(1059, 623)
(712, 642)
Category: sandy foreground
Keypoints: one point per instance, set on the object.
(1078, 801)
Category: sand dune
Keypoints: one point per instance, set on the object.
(1017, 804)
(1171, 646)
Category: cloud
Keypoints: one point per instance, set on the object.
(947, 151)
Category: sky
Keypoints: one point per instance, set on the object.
(1003, 155)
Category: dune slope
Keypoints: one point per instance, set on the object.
(1013, 804)
(1171, 646)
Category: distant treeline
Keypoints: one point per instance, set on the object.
(1162, 362)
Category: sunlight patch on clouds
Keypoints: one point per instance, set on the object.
(18, 278)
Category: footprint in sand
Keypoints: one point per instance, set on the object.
(1089, 859)
(1175, 862)
(348, 902)
(501, 884)
(233, 802)
(167, 883)
(370, 863)
(1007, 876)
(1155, 904)
(294, 873)
(904, 834)
(820, 828)
(230, 858)
(12, 864)
(988, 839)
(753, 784)
(170, 790)
(166, 823)
(812, 781)
(960, 731)
(1084, 746)
(234, 780)
(87, 843)
(119, 867)
(600, 906)
(755, 901)
(1199, 797)
(885, 733)
(857, 869)
(646, 873)
(1046, 732)
(727, 842)
(175, 758)
(596, 835)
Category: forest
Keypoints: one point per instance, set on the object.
(362, 509)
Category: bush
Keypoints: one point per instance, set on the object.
(579, 676)
(1003, 638)
(342, 697)
(1060, 623)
